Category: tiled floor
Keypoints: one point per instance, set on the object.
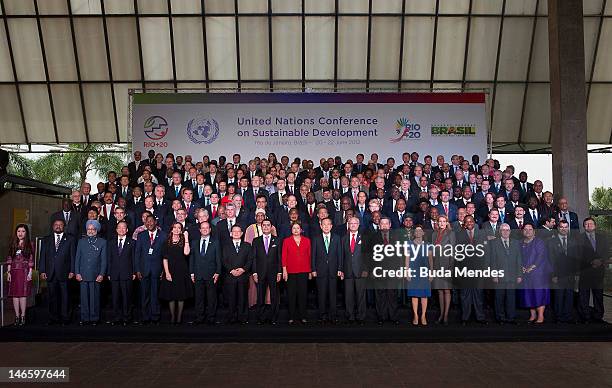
(337, 365)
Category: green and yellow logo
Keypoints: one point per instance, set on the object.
(453, 130)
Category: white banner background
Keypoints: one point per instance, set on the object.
(175, 118)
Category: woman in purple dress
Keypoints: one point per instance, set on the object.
(20, 262)
(536, 275)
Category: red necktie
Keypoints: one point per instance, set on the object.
(352, 243)
(214, 211)
(151, 238)
(354, 197)
(310, 209)
(446, 209)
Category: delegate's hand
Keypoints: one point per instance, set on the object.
(285, 275)
(341, 275)
(43, 276)
(279, 277)
(364, 274)
(139, 275)
(79, 277)
(192, 278)
(133, 277)
(596, 263)
(313, 274)
(555, 279)
(168, 277)
(70, 275)
(519, 280)
(495, 280)
(255, 277)
(8, 277)
(99, 278)
(215, 278)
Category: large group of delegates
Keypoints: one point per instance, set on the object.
(170, 228)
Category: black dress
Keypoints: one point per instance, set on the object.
(180, 288)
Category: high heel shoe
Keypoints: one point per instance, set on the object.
(415, 323)
(439, 321)
(22, 321)
(423, 321)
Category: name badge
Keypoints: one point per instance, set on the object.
(150, 251)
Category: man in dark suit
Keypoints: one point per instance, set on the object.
(564, 255)
(121, 272)
(505, 255)
(355, 273)
(71, 218)
(387, 294)
(148, 261)
(137, 166)
(205, 268)
(326, 267)
(563, 213)
(472, 293)
(267, 272)
(57, 254)
(595, 258)
(173, 191)
(237, 261)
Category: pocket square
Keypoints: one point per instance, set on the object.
(274, 246)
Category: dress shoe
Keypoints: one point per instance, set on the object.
(291, 322)
(512, 322)
(396, 322)
(361, 323)
(125, 323)
(464, 323)
(260, 322)
(210, 322)
(483, 322)
(52, 322)
(500, 322)
(95, 323)
(380, 322)
(244, 322)
(156, 322)
(82, 323)
(304, 321)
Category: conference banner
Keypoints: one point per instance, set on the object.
(310, 125)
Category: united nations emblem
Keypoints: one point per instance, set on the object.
(202, 130)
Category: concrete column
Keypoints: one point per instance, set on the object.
(568, 103)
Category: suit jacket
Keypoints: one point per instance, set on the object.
(91, 259)
(353, 263)
(574, 223)
(149, 263)
(73, 224)
(205, 266)
(591, 277)
(57, 264)
(249, 197)
(326, 263)
(487, 229)
(452, 211)
(121, 266)
(134, 172)
(267, 265)
(509, 260)
(564, 264)
(241, 259)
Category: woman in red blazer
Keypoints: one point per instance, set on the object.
(296, 271)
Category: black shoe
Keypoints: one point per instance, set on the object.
(380, 322)
(512, 322)
(52, 322)
(273, 323)
(291, 322)
(483, 322)
(396, 322)
(244, 322)
(146, 323)
(260, 322)
(361, 322)
(445, 323)
(155, 322)
(599, 321)
(500, 322)
(304, 321)
(464, 323)
(94, 323)
(211, 322)
(125, 323)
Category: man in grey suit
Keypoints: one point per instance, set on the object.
(205, 267)
(505, 254)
